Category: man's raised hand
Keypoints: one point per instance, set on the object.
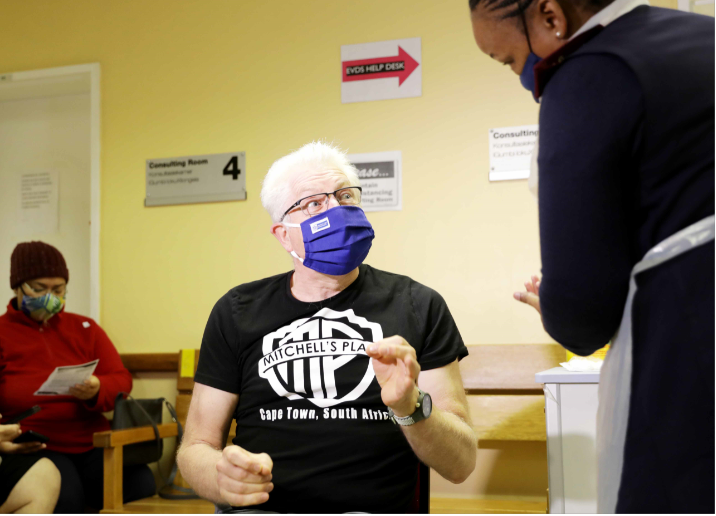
(244, 478)
(396, 368)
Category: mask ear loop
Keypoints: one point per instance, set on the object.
(521, 10)
(292, 225)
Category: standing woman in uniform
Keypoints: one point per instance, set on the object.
(626, 204)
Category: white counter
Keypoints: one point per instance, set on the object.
(571, 417)
(561, 375)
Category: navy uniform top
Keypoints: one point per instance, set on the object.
(626, 159)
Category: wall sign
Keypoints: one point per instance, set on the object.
(381, 70)
(381, 178)
(192, 179)
(37, 203)
(511, 151)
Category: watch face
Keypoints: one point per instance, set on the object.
(427, 405)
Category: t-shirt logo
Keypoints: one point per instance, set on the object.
(304, 359)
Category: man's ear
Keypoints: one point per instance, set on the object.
(281, 233)
(551, 17)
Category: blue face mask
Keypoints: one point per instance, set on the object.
(527, 77)
(336, 241)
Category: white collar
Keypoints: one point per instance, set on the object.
(610, 13)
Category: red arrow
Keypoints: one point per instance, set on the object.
(400, 66)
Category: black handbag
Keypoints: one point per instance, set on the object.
(132, 413)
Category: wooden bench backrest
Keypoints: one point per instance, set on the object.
(505, 368)
(505, 401)
(181, 363)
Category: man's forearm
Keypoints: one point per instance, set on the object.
(197, 463)
(446, 443)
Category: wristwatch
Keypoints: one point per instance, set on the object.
(423, 409)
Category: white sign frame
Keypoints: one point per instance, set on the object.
(511, 151)
(169, 180)
(372, 186)
(377, 70)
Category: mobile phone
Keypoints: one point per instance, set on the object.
(31, 437)
(20, 417)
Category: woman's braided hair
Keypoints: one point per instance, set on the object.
(517, 6)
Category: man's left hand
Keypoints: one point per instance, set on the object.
(87, 390)
(396, 368)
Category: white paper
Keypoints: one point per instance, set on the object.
(381, 178)
(64, 377)
(37, 203)
(511, 152)
(583, 364)
(381, 70)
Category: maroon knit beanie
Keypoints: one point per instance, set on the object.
(31, 260)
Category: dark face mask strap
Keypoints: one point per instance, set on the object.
(521, 10)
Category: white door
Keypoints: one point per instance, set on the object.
(45, 126)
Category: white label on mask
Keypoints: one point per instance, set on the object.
(320, 225)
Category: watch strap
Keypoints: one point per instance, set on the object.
(417, 416)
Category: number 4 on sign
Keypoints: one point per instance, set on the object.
(232, 168)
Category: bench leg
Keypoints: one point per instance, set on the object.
(113, 466)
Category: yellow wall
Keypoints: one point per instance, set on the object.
(187, 77)
(197, 77)
(670, 4)
(182, 77)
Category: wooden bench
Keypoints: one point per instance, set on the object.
(505, 402)
(113, 441)
(506, 405)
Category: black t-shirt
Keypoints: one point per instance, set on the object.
(307, 391)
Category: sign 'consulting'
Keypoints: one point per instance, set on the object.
(511, 152)
(381, 179)
(193, 179)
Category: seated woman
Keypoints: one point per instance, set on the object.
(36, 336)
(21, 471)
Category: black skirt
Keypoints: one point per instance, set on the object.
(12, 469)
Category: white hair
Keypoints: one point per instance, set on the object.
(276, 188)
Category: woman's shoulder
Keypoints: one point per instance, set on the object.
(77, 323)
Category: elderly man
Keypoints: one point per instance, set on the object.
(340, 376)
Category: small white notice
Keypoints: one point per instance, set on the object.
(64, 377)
(37, 203)
(381, 178)
(511, 152)
(192, 179)
(381, 70)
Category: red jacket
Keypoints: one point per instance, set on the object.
(30, 351)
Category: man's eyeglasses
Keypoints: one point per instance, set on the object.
(315, 204)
